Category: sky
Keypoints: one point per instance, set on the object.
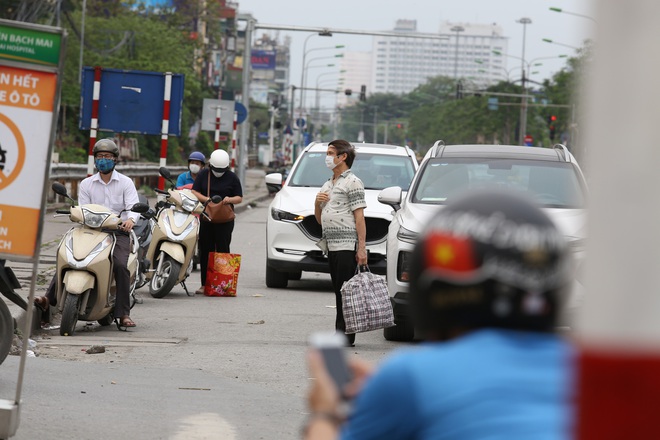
(381, 15)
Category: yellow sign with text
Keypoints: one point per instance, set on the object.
(27, 98)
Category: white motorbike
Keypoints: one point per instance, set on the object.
(174, 238)
(86, 288)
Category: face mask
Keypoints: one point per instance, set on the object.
(330, 162)
(104, 165)
(218, 174)
(194, 168)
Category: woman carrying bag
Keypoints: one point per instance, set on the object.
(216, 180)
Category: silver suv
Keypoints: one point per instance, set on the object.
(292, 230)
(551, 175)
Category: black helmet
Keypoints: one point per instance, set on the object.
(488, 259)
(105, 146)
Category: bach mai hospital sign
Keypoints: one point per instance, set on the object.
(29, 91)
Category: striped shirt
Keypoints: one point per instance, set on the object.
(119, 193)
(337, 218)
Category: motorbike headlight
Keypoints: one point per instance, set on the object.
(407, 235)
(285, 216)
(188, 203)
(94, 219)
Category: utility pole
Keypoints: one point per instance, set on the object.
(375, 124)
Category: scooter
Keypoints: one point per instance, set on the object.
(174, 238)
(8, 282)
(143, 230)
(85, 282)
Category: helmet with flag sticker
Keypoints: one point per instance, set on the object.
(489, 258)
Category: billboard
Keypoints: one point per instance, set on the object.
(131, 101)
(263, 59)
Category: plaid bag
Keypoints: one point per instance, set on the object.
(366, 303)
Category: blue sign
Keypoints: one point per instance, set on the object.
(263, 59)
(131, 101)
(241, 112)
(300, 122)
(262, 135)
(492, 103)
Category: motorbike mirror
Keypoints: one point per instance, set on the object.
(140, 208)
(165, 172)
(59, 189)
(216, 199)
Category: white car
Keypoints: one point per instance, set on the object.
(292, 230)
(551, 175)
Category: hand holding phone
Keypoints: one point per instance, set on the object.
(331, 346)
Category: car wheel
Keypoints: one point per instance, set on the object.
(403, 329)
(295, 276)
(275, 278)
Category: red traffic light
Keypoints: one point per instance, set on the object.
(399, 126)
(553, 118)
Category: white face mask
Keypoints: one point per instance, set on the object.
(194, 168)
(330, 162)
(218, 174)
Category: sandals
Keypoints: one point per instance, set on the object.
(124, 323)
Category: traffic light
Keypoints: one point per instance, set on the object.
(459, 90)
(363, 93)
(348, 92)
(399, 126)
(552, 119)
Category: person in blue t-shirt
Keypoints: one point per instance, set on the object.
(487, 277)
(196, 162)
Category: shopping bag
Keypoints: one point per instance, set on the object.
(366, 303)
(222, 274)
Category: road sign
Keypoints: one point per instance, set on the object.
(492, 103)
(226, 114)
(300, 122)
(529, 140)
(131, 101)
(29, 95)
(241, 113)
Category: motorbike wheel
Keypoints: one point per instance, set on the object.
(69, 315)
(6, 331)
(163, 281)
(106, 321)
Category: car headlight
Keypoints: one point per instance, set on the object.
(94, 219)
(407, 235)
(284, 216)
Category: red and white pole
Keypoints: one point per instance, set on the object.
(216, 143)
(165, 127)
(618, 330)
(233, 142)
(94, 125)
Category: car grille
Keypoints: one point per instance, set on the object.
(376, 228)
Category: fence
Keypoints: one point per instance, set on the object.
(70, 174)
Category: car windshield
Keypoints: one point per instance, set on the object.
(377, 171)
(552, 184)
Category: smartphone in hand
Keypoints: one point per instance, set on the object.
(331, 346)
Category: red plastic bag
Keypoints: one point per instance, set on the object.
(222, 274)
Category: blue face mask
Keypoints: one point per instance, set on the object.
(104, 165)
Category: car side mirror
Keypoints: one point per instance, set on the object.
(274, 182)
(391, 196)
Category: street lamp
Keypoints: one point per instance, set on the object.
(572, 13)
(523, 101)
(456, 29)
(547, 40)
(323, 33)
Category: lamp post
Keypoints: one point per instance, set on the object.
(523, 104)
(572, 13)
(456, 29)
(548, 40)
(316, 100)
(323, 33)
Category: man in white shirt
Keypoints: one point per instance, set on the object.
(116, 192)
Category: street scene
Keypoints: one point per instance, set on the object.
(274, 220)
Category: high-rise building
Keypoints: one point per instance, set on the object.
(401, 64)
(270, 60)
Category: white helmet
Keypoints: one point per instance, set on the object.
(219, 160)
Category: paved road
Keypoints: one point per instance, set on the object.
(195, 367)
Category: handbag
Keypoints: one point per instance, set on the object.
(217, 212)
(222, 274)
(366, 303)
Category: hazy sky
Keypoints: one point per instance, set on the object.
(379, 15)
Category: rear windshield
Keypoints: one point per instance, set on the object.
(377, 171)
(552, 184)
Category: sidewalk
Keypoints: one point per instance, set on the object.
(255, 189)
